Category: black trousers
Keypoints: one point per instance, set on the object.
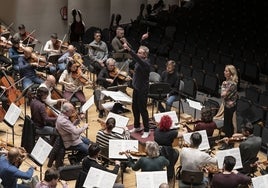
(139, 108)
(228, 127)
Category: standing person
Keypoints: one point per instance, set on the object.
(27, 66)
(229, 95)
(229, 178)
(9, 169)
(70, 132)
(140, 83)
(51, 180)
(97, 52)
(171, 77)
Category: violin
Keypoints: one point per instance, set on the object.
(116, 73)
(211, 169)
(133, 153)
(77, 58)
(231, 139)
(41, 60)
(57, 44)
(78, 75)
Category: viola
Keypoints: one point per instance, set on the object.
(41, 60)
(116, 73)
(13, 94)
(231, 139)
(133, 153)
(78, 59)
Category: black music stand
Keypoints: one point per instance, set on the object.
(53, 58)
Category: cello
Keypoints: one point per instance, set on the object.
(13, 94)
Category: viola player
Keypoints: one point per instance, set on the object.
(53, 45)
(24, 36)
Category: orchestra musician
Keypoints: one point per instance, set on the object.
(191, 158)
(27, 66)
(9, 169)
(229, 178)
(66, 57)
(15, 52)
(24, 36)
(94, 151)
(97, 52)
(140, 83)
(44, 125)
(108, 76)
(70, 132)
(50, 83)
(53, 45)
(171, 77)
(71, 82)
(51, 180)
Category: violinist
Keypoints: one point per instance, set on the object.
(43, 123)
(66, 57)
(9, 169)
(50, 83)
(107, 77)
(24, 36)
(71, 83)
(98, 52)
(52, 46)
(15, 52)
(27, 68)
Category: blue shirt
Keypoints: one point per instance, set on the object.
(26, 69)
(10, 173)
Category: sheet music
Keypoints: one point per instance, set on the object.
(173, 116)
(121, 122)
(204, 144)
(88, 104)
(108, 105)
(260, 181)
(117, 96)
(117, 146)
(235, 152)
(99, 178)
(41, 151)
(12, 114)
(194, 104)
(151, 179)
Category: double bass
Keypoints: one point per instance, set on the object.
(13, 94)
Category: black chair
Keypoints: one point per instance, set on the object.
(190, 89)
(252, 72)
(191, 179)
(81, 179)
(211, 84)
(199, 76)
(158, 92)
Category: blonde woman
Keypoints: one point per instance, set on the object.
(229, 95)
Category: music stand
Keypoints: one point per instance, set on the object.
(196, 105)
(53, 58)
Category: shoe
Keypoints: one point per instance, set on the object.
(136, 130)
(145, 135)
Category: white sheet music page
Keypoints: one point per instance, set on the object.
(260, 181)
(121, 122)
(88, 104)
(41, 151)
(117, 146)
(172, 115)
(194, 104)
(118, 96)
(99, 178)
(204, 144)
(12, 114)
(235, 152)
(151, 179)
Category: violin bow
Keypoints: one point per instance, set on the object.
(62, 41)
(119, 71)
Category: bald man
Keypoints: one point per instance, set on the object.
(27, 69)
(65, 58)
(9, 172)
(50, 83)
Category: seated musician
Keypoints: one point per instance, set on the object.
(249, 148)
(104, 135)
(98, 52)
(152, 162)
(206, 122)
(108, 76)
(43, 123)
(71, 82)
(27, 66)
(9, 169)
(24, 36)
(92, 161)
(70, 132)
(66, 57)
(164, 136)
(192, 159)
(50, 83)
(14, 53)
(51, 180)
(52, 46)
(229, 178)
(171, 77)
